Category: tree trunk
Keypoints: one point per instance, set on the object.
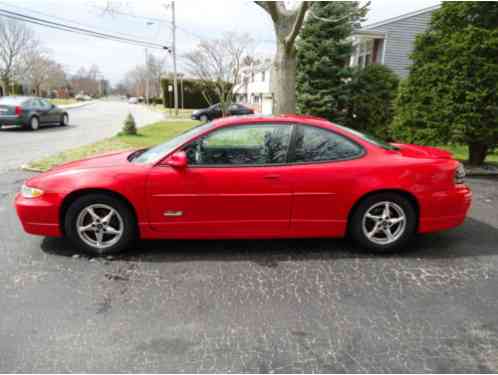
(477, 153)
(283, 78)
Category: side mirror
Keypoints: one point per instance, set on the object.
(178, 160)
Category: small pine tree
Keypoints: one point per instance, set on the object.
(323, 52)
(129, 127)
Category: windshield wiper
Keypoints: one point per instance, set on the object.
(136, 154)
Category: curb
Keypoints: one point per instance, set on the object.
(77, 105)
(27, 168)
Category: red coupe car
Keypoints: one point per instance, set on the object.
(251, 177)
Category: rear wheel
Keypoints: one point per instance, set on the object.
(100, 224)
(384, 222)
(204, 118)
(34, 123)
(64, 120)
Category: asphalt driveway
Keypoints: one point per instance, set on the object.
(239, 306)
(88, 124)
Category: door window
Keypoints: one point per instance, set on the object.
(45, 104)
(317, 144)
(242, 145)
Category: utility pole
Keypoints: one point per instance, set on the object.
(146, 77)
(147, 69)
(175, 81)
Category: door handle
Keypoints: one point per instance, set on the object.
(271, 177)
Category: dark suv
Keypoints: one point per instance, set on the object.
(30, 112)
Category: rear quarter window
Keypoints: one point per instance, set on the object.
(314, 144)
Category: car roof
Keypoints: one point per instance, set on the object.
(285, 118)
(16, 98)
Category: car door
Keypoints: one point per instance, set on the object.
(325, 169)
(53, 114)
(42, 111)
(237, 183)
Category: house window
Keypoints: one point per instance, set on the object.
(263, 74)
(363, 53)
(252, 76)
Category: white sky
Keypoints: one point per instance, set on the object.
(195, 19)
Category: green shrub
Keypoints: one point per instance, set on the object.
(451, 94)
(129, 127)
(372, 91)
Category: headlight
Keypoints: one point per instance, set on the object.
(30, 192)
(459, 174)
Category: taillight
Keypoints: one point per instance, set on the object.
(18, 111)
(459, 174)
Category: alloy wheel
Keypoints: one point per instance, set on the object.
(35, 124)
(99, 226)
(384, 223)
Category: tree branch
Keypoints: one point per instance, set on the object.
(298, 22)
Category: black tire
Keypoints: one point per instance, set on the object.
(34, 123)
(64, 120)
(128, 236)
(356, 223)
(204, 118)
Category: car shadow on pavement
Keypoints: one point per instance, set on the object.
(474, 238)
(43, 128)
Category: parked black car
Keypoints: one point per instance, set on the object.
(214, 111)
(30, 112)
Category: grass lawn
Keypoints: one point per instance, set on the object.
(461, 152)
(63, 101)
(148, 136)
(182, 113)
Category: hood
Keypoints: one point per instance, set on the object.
(422, 152)
(110, 159)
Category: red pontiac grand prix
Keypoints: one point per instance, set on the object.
(251, 177)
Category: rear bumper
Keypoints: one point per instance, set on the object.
(12, 120)
(444, 209)
(39, 216)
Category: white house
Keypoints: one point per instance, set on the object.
(254, 89)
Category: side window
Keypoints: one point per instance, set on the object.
(45, 104)
(242, 145)
(317, 144)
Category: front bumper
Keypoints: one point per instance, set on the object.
(444, 209)
(39, 216)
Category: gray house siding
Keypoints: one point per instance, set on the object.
(399, 40)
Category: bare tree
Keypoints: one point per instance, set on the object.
(217, 63)
(155, 70)
(41, 72)
(15, 40)
(87, 81)
(287, 24)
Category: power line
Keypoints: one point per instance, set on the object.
(79, 30)
(66, 20)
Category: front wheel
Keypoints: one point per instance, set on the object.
(203, 118)
(100, 224)
(384, 222)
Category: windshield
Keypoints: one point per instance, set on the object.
(369, 138)
(156, 153)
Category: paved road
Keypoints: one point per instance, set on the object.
(88, 124)
(283, 305)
